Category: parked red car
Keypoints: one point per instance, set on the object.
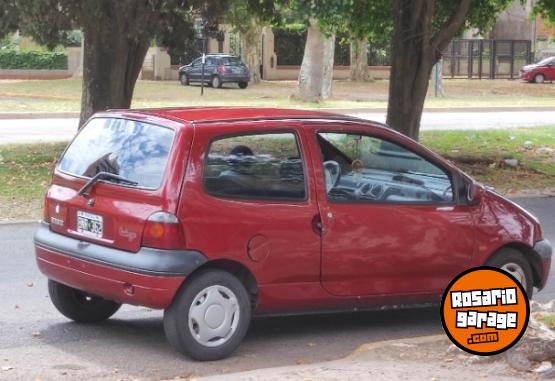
(539, 72)
(216, 214)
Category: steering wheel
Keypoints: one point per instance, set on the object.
(332, 172)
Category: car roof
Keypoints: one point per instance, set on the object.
(203, 115)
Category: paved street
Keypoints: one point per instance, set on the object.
(40, 344)
(48, 130)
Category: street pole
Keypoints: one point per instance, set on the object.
(203, 62)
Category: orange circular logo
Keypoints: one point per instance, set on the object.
(485, 311)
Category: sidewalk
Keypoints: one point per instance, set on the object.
(425, 358)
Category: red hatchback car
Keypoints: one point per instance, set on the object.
(216, 214)
(539, 72)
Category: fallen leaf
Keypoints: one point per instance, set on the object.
(36, 334)
(300, 362)
(311, 344)
(7, 367)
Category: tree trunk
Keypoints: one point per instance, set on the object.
(359, 61)
(112, 62)
(315, 77)
(252, 54)
(415, 50)
(411, 66)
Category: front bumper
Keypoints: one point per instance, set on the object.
(150, 277)
(544, 251)
(525, 75)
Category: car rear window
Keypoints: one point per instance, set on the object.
(135, 150)
(231, 60)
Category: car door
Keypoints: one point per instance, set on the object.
(550, 70)
(389, 219)
(248, 198)
(195, 70)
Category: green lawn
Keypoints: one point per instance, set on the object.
(26, 169)
(64, 95)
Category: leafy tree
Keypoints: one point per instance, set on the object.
(546, 9)
(422, 31)
(117, 35)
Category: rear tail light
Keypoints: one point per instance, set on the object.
(221, 69)
(46, 210)
(163, 231)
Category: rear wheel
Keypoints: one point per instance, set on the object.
(209, 316)
(80, 306)
(216, 82)
(243, 85)
(539, 78)
(513, 262)
(184, 79)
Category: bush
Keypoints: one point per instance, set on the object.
(32, 59)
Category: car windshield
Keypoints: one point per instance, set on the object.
(231, 60)
(129, 149)
(546, 61)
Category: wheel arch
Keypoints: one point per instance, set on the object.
(528, 253)
(235, 268)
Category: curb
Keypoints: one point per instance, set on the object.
(368, 347)
(18, 222)
(39, 115)
(362, 349)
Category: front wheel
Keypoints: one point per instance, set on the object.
(78, 305)
(209, 316)
(243, 85)
(539, 78)
(513, 262)
(184, 79)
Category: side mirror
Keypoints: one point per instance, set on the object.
(474, 193)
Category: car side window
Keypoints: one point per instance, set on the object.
(197, 62)
(265, 166)
(364, 168)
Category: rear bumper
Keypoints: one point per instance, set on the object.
(544, 250)
(235, 78)
(149, 277)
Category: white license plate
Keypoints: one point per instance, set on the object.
(90, 224)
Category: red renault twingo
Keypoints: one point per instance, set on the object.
(216, 214)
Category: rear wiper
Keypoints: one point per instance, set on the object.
(104, 176)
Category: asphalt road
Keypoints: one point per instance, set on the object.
(36, 342)
(51, 130)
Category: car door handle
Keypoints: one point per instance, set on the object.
(445, 208)
(317, 225)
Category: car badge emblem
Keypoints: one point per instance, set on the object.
(57, 209)
(91, 202)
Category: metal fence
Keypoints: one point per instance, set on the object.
(486, 58)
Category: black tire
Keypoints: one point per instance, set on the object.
(243, 85)
(514, 261)
(539, 78)
(80, 306)
(184, 79)
(177, 320)
(216, 82)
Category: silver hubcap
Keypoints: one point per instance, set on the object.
(214, 316)
(516, 271)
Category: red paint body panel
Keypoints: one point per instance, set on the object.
(368, 254)
(150, 291)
